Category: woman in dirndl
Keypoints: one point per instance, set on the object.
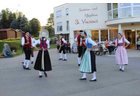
(88, 63)
(121, 53)
(43, 62)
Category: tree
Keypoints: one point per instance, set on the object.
(14, 24)
(35, 26)
(4, 19)
(50, 25)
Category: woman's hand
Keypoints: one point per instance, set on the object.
(88, 49)
(124, 47)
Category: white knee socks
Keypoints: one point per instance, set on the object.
(25, 61)
(40, 74)
(84, 75)
(28, 61)
(32, 58)
(123, 67)
(120, 66)
(65, 56)
(60, 55)
(94, 76)
(79, 60)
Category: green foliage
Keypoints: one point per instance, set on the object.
(50, 25)
(4, 19)
(35, 26)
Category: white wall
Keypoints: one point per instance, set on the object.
(79, 12)
(62, 19)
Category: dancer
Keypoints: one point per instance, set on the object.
(88, 63)
(78, 41)
(62, 41)
(121, 53)
(32, 50)
(26, 43)
(43, 62)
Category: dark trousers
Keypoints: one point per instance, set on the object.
(79, 51)
(68, 49)
(62, 49)
(27, 52)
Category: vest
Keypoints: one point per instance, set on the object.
(43, 44)
(26, 40)
(120, 44)
(62, 43)
(78, 39)
(89, 45)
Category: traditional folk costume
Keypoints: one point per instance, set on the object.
(62, 44)
(32, 50)
(43, 62)
(121, 53)
(80, 47)
(88, 63)
(27, 51)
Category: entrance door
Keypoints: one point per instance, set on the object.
(130, 36)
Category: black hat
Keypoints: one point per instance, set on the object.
(81, 30)
(61, 34)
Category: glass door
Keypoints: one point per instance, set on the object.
(137, 39)
(130, 36)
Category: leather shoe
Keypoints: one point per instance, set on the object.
(27, 68)
(60, 59)
(40, 76)
(83, 79)
(78, 64)
(65, 60)
(93, 80)
(23, 67)
(45, 74)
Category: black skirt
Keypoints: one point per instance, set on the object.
(93, 61)
(47, 61)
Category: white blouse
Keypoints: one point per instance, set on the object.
(121, 41)
(38, 42)
(91, 41)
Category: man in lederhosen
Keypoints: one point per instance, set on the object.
(27, 43)
(78, 41)
(62, 42)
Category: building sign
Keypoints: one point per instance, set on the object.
(88, 18)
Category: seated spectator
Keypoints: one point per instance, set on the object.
(74, 45)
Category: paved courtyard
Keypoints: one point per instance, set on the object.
(63, 80)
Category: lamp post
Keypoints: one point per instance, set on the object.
(21, 25)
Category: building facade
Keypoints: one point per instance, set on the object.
(105, 20)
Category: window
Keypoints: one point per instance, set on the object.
(113, 34)
(137, 4)
(58, 14)
(67, 11)
(110, 15)
(125, 12)
(136, 11)
(67, 27)
(115, 13)
(59, 27)
(104, 35)
(115, 5)
(108, 6)
(125, 4)
(95, 34)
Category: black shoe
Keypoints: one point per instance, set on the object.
(78, 64)
(65, 60)
(22, 62)
(27, 68)
(45, 74)
(24, 67)
(32, 62)
(60, 59)
(40, 76)
(120, 69)
(83, 79)
(93, 80)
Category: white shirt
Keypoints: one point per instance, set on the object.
(23, 41)
(33, 41)
(91, 41)
(80, 40)
(121, 41)
(38, 42)
(63, 40)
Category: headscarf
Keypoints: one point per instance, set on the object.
(88, 32)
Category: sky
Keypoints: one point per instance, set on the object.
(41, 11)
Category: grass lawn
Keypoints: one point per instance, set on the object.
(17, 43)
